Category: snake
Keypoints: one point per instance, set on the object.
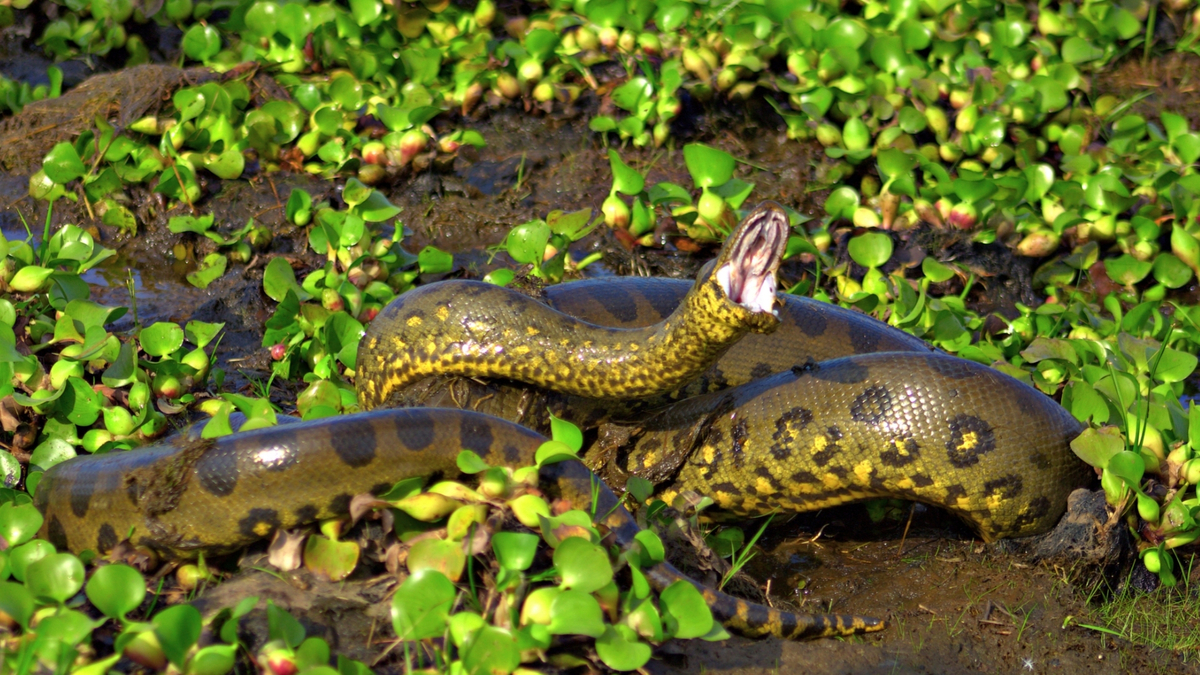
(775, 429)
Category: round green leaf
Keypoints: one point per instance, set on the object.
(870, 249)
(1171, 271)
(433, 260)
(515, 550)
(177, 629)
(116, 590)
(17, 602)
(161, 339)
(201, 42)
(583, 565)
(526, 243)
(1127, 465)
(1126, 269)
(576, 613)
(685, 614)
(620, 649)
(19, 524)
(334, 560)
(422, 604)
(489, 651)
(57, 577)
(842, 202)
(62, 164)
(26, 554)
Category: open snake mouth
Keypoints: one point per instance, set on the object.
(748, 279)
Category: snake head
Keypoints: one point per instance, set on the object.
(746, 267)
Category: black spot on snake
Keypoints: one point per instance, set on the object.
(356, 448)
(764, 472)
(921, 480)
(809, 317)
(787, 429)
(217, 470)
(307, 513)
(81, 496)
(106, 538)
(340, 503)
(761, 370)
(1037, 509)
(259, 522)
(415, 430)
(903, 451)
(864, 341)
(475, 434)
(953, 493)
(872, 406)
(970, 439)
(738, 436)
(804, 476)
(618, 302)
(662, 302)
(56, 533)
(1005, 487)
(1039, 460)
(951, 368)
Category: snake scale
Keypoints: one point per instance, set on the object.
(795, 435)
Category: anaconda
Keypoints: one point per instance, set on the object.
(190, 495)
(168, 494)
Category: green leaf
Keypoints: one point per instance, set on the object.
(583, 565)
(201, 42)
(842, 202)
(433, 260)
(19, 523)
(709, 167)
(177, 629)
(685, 614)
(1126, 269)
(211, 269)
(17, 602)
(57, 577)
(279, 278)
(1098, 446)
(283, 626)
(422, 605)
(515, 550)
(490, 651)
(1175, 365)
(469, 462)
(116, 590)
(365, 11)
(620, 649)
(161, 338)
(870, 249)
(376, 208)
(62, 164)
(566, 433)
(526, 243)
(576, 613)
(1076, 49)
(1128, 466)
(625, 179)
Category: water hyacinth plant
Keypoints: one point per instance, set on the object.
(982, 123)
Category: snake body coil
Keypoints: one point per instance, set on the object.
(914, 425)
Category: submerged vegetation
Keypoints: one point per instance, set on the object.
(976, 121)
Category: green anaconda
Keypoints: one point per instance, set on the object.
(958, 435)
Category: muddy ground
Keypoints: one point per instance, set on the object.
(953, 604)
